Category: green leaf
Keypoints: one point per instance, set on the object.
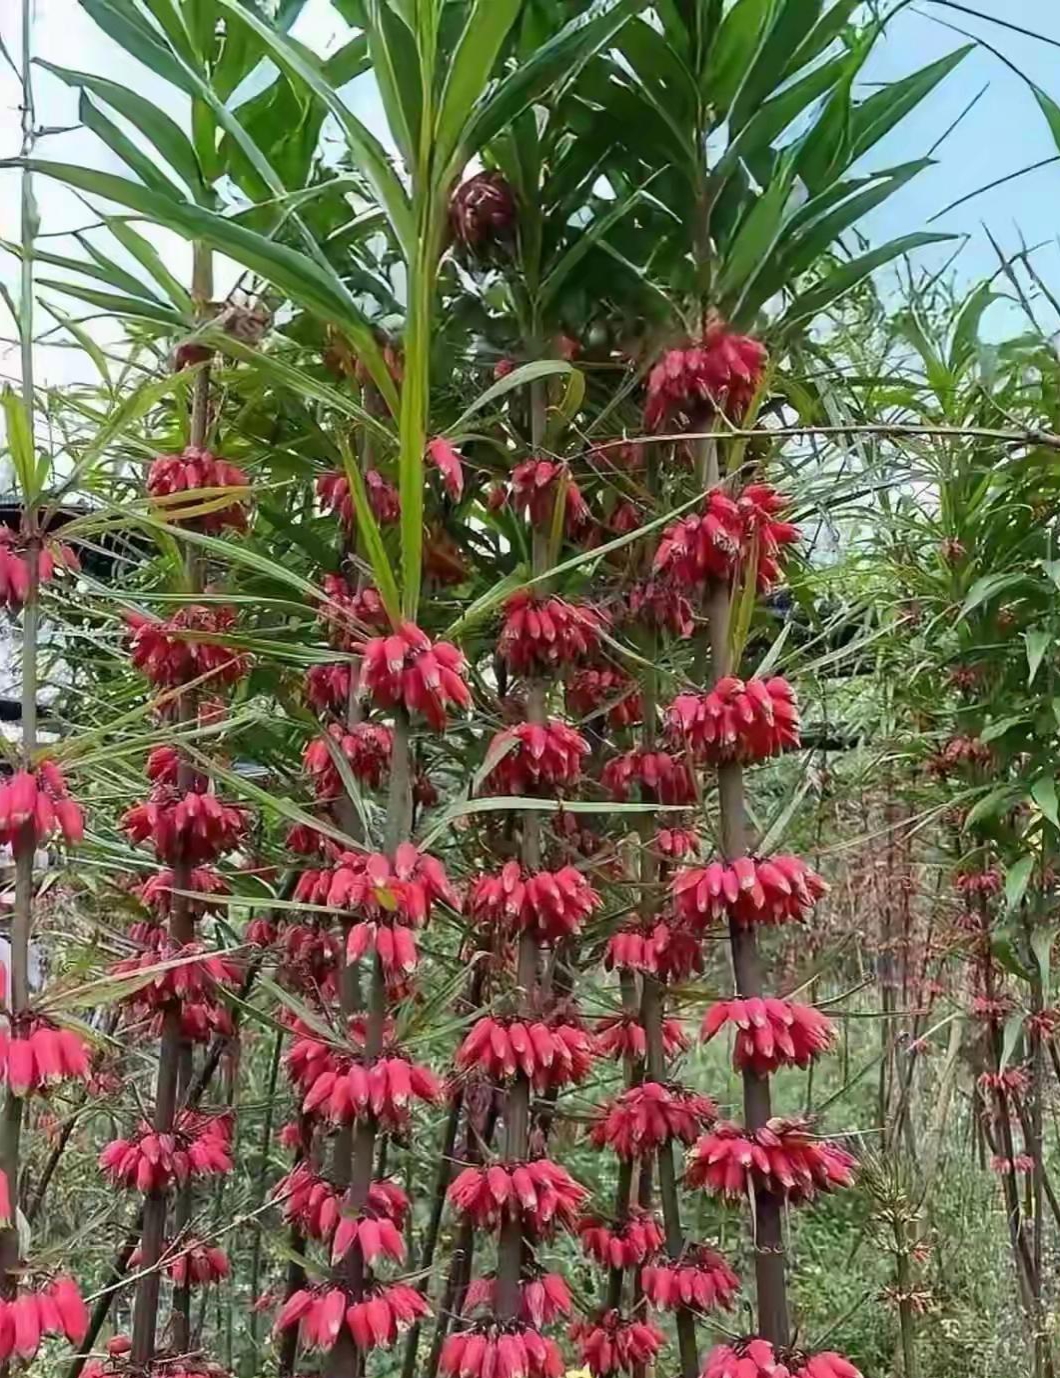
(1042, 940)
(20, 443)
(997, 729)
(730, 65)
(148, 257)
(481, 608)
(1043, 792)
(988, 587)
(1050, 110)
(1038, 643)
(488, 24)
(396, 64)
(124, 148)
(525, 373)
(755, 240)
(990, 805)
(596, 230)
(131, 308)
(365, 149)
(790, 22)
(123, 22)
(1017, 878)
(301, 277)
(368, 529)
(149, 118)
(842, 280)
(556, 59)
(1013, 1029)
(878, 115)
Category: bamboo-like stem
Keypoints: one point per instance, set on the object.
(770, 1273)
(517, 1109)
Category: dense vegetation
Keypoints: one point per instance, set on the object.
(533, 826)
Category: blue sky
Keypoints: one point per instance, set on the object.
(1003, 133)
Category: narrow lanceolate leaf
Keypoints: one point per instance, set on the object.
(1042, 940)
(1013, 1029)
(1038, 643)
(525, 373)
(372, 538)
(1043, 792)
(488, 24)
(396, 65)
(20, 443)
(594, 232)
(1017, 878)
(303, 279)
(878, 115)
(366, 150)
(842, 280)
(151, 260)
(167, 137)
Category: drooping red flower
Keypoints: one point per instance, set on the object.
(613, 1343)
(623, 1036)
(535, 758)
(534, 487)
(349, 613)
(407, 669)
(1013, 1081)
(541, 633)
(36, 1053)
(333, 490)
(185, 647)
(385, 1089)
(622, 1244)
(659, 774)
(447, 459)
(771, 1033)
(331, 687)
(30, 1316)
(718, 373)
(643, 1117)
(540, 1194)
(316, 1205)
(609, 693)
(192, 1263)
(156, 892)
(827, 1364)
(199, 1145)
(738, 720)
(782, 1157)
(677, 842)
(987, 882)
(36, 804)
(747, 1358)
(196, 827)
(543, 1299)
(963, 753)
(500, 1350)
(551, 1053)
(700, 1278)
(765, 535)
(365, 746)
(1004, 1167)
(669, 950)
(701, 547)
(550, 904)
(660, 604)
(373, 1320)
(482, 212)
(749, 890)
(184, 476)
(14, 566)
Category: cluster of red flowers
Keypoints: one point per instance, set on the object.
(624, 1036)
(700, 1278)
(374, 1320)
(550, 1053)
(720, 372)
(701, 547)
(316, 1206)
(15, 569)
(550, 904)
(645, 1116)
(150, 1160)
(756, 1358)
(384, 1088)
(407, 669)
(35, 1053)
(195, 827)
(535, 758)
(187, 646)
(613, 1343)
(771, 1033)
(29, 1316)
(659, 775)
(492, 1350)
(540, 1194)
(365, 747)
(670, 951)
(190, 1264)
(534, 487)
(782, 1158)
(622, 1244)
(333, 490)
(542, 633)
(185, 476)
(737, 720)
(604, 692)
(34, 805)
(772, 890)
